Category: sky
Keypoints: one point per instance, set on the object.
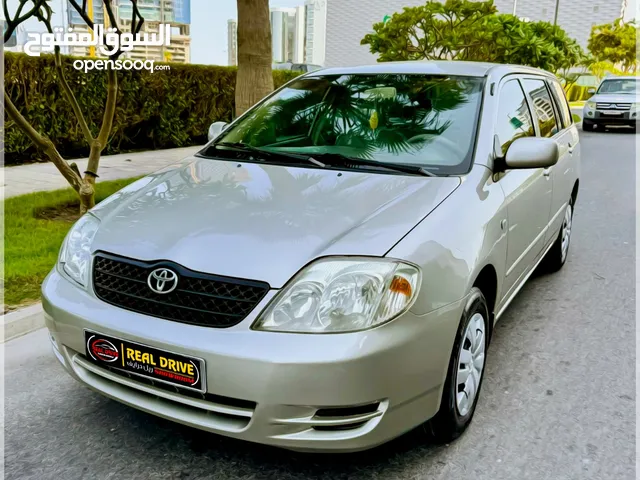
(208, 25)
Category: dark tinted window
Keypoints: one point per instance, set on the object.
(514, 119)
(561, 102)
(542, 106)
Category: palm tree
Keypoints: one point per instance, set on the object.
(255, 79)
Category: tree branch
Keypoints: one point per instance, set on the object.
(66, 89)
(82, 11)
(71, 98)
(109, 109)
(112, 19)
(13, 23)
(135, 13)
(43, 143)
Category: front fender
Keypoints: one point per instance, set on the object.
(457, 240)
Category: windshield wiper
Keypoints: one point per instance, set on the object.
(326, 158)
(340, 160)
(243, 147)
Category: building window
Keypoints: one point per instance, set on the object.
(596, 8)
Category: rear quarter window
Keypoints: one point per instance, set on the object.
(561, 102)
(545, 112)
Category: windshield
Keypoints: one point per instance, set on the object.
(626, 85)
(424, 120)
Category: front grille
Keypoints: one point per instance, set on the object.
(613, 106)
(199, 299)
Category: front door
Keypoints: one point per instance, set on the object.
(528, 192)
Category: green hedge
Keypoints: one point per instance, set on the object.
(164, 109)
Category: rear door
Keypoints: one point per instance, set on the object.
(565, 171)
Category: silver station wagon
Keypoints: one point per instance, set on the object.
(325, 274)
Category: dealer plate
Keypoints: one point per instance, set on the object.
(142, 360)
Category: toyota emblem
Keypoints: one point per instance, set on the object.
(162, 280)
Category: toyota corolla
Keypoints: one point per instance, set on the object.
(325, 274)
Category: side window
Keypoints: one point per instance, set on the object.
(543, 106)
(561, 102)
(514, 119)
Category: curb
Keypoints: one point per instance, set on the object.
(21, 322)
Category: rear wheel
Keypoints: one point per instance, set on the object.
(465, 374)
(557, 255)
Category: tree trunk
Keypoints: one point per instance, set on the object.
(255, 80)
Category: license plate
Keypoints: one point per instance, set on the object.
(612, 114)
(142, 360)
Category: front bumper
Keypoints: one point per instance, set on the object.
(607, 118)
(270, 388)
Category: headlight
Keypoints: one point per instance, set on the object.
(590, 105)
(75, 254)
(342, 295)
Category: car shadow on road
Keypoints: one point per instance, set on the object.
(612, 129)
(226, 458)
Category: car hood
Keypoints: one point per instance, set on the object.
(262, 222)
(613, 98)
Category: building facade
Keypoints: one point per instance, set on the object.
(177, 13)
(232, 43)
(316, 28)
(17, 40)
(297, 34)
(348, 21)
(288, 34)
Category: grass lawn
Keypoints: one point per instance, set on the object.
(576, 118)
(35, 225)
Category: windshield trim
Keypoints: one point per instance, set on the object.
(460, 169)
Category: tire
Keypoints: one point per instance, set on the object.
(454, 416)
(557, 256)
(587, 127)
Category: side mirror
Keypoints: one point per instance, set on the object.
(216, 129)
(532, 152)
(591, 90)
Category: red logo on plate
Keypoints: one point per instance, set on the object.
(101, 349)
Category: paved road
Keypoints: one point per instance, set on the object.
(558, 401)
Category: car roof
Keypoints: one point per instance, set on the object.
(432, 67)
(620, 77)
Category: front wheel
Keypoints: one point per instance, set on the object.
(587, 126)
(466, 368)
